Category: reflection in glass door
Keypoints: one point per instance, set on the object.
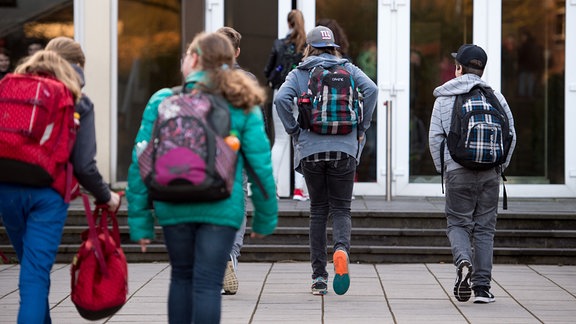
(355, 31)
(437, 28)
(28, 25)
(149, 52)
(533, 47)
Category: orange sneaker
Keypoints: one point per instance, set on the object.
(341, 281)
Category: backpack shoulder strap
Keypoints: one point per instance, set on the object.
(177, 90)
(253, 175)
(488, 92)
(219, 116)
(313, 78)
(457, 111)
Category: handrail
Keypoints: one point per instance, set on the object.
(388, 106)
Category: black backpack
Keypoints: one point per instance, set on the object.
(479, 137)
(288, 60)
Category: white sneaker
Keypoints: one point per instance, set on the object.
(230, 283)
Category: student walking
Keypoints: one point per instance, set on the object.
(34, 216)
(471, 194)
(327, 161)
(230, 283)
(84, 152)
(199, 235)
(285, 55)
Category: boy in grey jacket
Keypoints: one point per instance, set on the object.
(328, 162)
(471, 196)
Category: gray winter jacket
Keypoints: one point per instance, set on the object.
(306, 142)
(442, 116)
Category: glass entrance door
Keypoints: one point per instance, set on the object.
(355, 30)
(358, 44)
(531, 78)
(526, 42)
(437, 28)
(533, 72)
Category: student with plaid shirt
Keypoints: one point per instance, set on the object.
(328, 162)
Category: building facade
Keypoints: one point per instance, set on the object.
(134, 48)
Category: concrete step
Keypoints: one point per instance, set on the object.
(387, 219)
(371, 236)
(410, 230)
(368, 245)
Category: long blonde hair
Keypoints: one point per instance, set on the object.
(216, 56)
(50, 63)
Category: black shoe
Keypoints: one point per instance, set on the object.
(482, 295)
(319, 286)
(462, 290)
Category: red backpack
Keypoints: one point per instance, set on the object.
(37, 133)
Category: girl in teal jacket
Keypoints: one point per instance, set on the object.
(199, 236)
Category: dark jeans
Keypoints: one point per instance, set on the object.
(330, 185)
(198, 255)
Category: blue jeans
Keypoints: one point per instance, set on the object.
(330, 185)
(34, 219)
(471, 212)
(198, 255)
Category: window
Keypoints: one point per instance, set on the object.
(149, 51)
(27, 25)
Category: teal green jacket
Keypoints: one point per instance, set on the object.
(228, 212)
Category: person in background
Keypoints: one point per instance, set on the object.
(34, 217)
(328, 162)
(471, 196)
(530, 63)
(199, 236)
(84, 152)
(296, 42)
(340, 37)
(368, 58)
(230, 284)
(34, 46)
(4, 62)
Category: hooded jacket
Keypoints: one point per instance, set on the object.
(442, 117)
(84, 151)
(306, 142)
(227, 212)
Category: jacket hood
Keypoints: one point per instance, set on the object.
(80, 72)
(459, 85)
(326, 60)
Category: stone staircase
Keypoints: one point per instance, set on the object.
(406, 234)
